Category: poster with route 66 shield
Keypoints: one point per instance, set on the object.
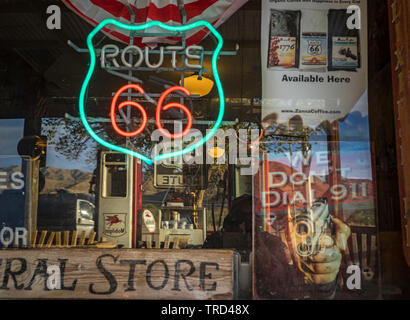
(314, 60)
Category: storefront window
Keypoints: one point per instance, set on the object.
(203, 150)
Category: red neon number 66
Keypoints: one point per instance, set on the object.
(144, 113)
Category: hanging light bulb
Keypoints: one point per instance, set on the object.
(216, 152)
(198, 86)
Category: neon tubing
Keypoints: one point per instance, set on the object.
(128, 103)
(150, 24)
(173, 105)
(142, 126)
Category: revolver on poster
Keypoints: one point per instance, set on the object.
(348, 53)
(307, 226)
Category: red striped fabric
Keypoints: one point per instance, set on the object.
(214, 11)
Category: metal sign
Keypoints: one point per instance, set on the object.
(179, 175)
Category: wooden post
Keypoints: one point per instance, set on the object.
(58, 239)
(34, 239)
(50, 240)
(91, 238)
(66, 238)
(82, 239)
(74, 239)
(42, 238)
(333, 150)
(399, 16)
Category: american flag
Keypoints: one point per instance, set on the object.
(214, 11)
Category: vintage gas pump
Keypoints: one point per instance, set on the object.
(118, 197)
(179, 220)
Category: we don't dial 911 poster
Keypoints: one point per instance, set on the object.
(315, 222)
(315, 233)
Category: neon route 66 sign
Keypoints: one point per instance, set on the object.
(138, 88)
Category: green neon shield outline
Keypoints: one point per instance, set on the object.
(90, 72)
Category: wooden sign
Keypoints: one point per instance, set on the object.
(116, 274)
(399, 14)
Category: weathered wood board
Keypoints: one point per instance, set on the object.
(116, 274)
(399, 15)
